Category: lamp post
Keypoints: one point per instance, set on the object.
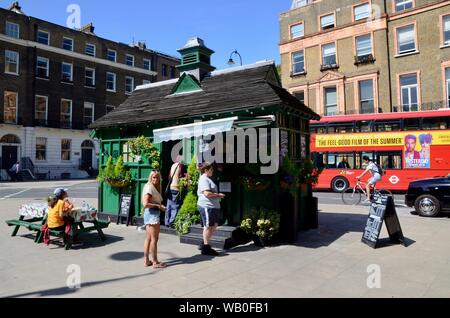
(231, 61)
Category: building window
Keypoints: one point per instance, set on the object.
(129, 60)
(172, 72)
(145, 82)
(66, 113)
(89, 49)
(164, 70)
(129, 85)
(327, 22)
(109, 108)
(409, 89)
(329, 54)
(361, 12)
(363, 45)
(297, 31)
(110, 82)
(402, 5)
(330, 101)
(89, 77)
(65, 149)
(447, 85)
(300, 96)
(300, 3)
(298, 63)
(42, 67)
(147, 64)
(406, 40)
(111, 55)
(11, 100)
(40, 114)
(41, 149)
(67, 72)
(11, 62)
(12, 30)
(88, 114)
(366, 100)
(43, 37)
(446, 29)
(68, 44)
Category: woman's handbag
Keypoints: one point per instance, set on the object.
(167, 192)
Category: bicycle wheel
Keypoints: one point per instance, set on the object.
(351, 196)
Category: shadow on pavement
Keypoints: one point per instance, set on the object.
(89, 240)
(126, 256)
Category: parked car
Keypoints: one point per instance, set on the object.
(429, 196)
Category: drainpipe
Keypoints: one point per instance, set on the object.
(388, 58)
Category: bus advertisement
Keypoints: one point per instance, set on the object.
(405, 155)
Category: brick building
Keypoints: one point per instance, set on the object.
(367, 56)
(55, 82)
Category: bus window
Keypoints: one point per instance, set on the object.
(390, 161)
(411, 124)
(435, 123)
(387, 126)
(330, 129)
(319, 159)
(345, 161)
(360, 164)
(364, 126)
(344, 128)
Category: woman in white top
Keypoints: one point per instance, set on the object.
(151, 200)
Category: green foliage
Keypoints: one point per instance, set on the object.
(189, 182)
(188, 214)
(290, 176)
(308, 173)
(261, 222)
(141, 146)
(116, 175)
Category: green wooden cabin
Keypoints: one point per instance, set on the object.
(249, 96)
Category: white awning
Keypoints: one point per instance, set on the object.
(197, 129)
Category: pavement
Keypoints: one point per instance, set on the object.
(328, 262)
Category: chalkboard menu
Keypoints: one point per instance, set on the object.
(125, 208)
(382, 210)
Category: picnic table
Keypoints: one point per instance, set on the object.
(34, 217)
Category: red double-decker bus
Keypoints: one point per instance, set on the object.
(408, 146)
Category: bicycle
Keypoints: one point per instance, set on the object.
(352, 196)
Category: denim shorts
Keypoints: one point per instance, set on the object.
(376, 178)
(210, 217)
(152, 216)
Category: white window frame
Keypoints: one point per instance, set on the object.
(444, 42)
(402, 2)
(447, 82)
(323, 54)
(47, 69)
(132, 59)
(48, 36)
(72, 45)
(109, 106)
(65, 114)
(92, 45)
(114, 82)
(62, 72)
(358, 49)
(46, 107)
(300, 34)
(70, 150)
(45, 149)
(16, 107)
(303, 71)
(366, 100)
(149, 64)
(326, 106)
(127, 92)
(324, 27)
(86, 77)
(91, 106)
(17, 61)
(362, 17)
(115, 55)
(398, 39)
(12, 24)
(409, 88)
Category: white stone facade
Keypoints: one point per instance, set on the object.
(53, 166)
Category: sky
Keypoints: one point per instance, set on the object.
(249, 26)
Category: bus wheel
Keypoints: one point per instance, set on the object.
(427, 205)
(339, 184)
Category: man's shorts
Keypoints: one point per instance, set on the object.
(210, 217)
(376, 178)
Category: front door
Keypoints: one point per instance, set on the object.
(86, 158)
(9, 156)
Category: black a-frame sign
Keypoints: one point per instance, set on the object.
(125, 208)
(382, 210)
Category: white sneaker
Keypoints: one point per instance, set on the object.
(367, 201)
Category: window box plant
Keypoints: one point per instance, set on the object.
(116, 175)
(142, 147)
(261, 224)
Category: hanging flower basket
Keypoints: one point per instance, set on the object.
(118, 183)
(255, 184)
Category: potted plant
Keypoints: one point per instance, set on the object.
(290, 176)
(308, 173)
(116, 175)
(142, 147)
(261, 224)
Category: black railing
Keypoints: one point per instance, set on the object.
(59, 124)
(326, 67)
(421, 107)
(365, 59)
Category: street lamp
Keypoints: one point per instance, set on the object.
(231, 61)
